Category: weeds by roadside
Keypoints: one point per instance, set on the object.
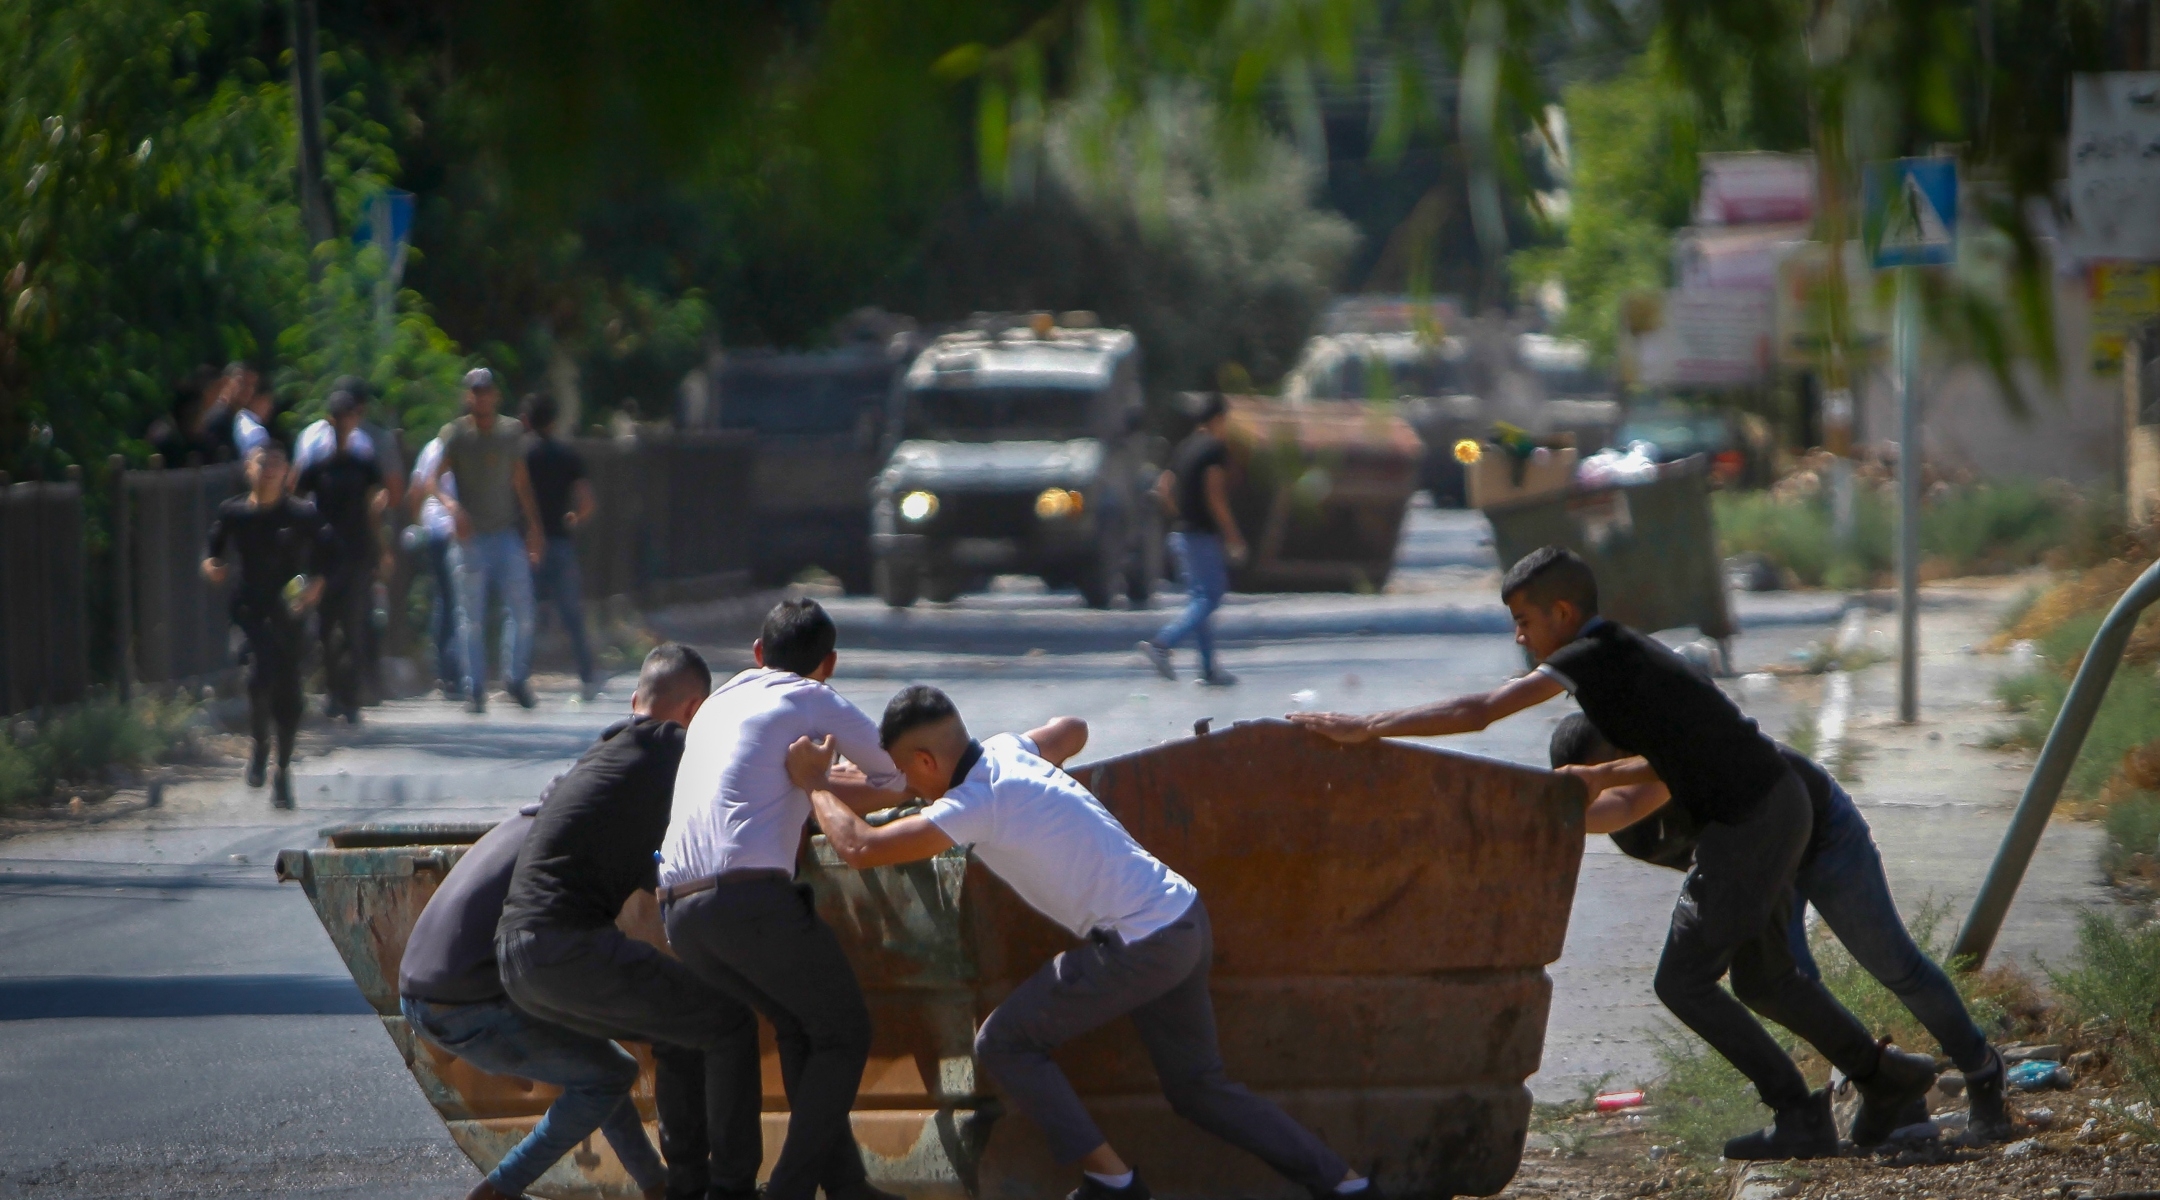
(1700, 1100)
(1556, 1121)
(2113, 988)
(86, 742)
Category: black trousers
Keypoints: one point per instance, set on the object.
(1732, 915)
(273, 654)
(697, 1093)
(761, 941)
(342, 622)
(601, 982)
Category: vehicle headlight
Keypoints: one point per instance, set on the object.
(1058, 503)
(918, 506)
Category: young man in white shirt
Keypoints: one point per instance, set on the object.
(733, 910)
(1146, 945)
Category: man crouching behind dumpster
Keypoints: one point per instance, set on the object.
(1146, 945)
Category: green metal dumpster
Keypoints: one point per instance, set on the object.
(1383, 913)
(1653, 545)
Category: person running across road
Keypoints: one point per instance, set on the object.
(347, 490)
(1723, 772)
(1146, 945)
(434, 535)
(1195, 491)
(450, 990)
(728, 894)
(251, 407)
(282, 549)
(498, 536)
(1841, 874)
(563, 958)
(565, 499)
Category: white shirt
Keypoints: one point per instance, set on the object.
(735, 808)
(433, 514)
(319, 441)
(1055, 844)
(248, 434)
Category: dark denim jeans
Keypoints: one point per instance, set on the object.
(1844, 880)
(443, 618)
(1206, 572)
(557, 579)
(595, 1074)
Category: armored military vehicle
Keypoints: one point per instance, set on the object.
(1018, 449)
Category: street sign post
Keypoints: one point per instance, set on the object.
(1909, 221)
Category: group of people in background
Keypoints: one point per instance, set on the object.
(494, 503)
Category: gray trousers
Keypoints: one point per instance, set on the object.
(1161, 981)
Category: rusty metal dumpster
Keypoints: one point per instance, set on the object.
(1653, 545)
(1319, 490)
(1384, 915)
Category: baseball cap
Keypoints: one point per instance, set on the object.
(478, 378)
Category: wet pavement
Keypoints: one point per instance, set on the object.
(173, 1023)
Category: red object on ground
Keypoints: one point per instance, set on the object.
(1615, 1101)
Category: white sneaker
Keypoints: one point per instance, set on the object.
(1158, 658)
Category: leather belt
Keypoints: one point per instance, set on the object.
(676, 891)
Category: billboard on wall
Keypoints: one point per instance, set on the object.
(2114, 158)
(1703, 337)
(1756, 188)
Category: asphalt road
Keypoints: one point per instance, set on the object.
(173, 1023)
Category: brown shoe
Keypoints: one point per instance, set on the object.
(486, 1191)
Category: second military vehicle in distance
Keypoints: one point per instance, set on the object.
(1018, 449)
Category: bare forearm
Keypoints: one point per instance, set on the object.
(848, 832)
(862, 799)
(1462, 714)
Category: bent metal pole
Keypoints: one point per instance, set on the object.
(2056, 757)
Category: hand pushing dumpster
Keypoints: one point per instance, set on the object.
(1383, 915)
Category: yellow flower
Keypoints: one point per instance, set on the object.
(1467, 451)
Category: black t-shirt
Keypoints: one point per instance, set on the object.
(1199, 451)
(271, 544)
(450, 957)
(340, 485)
(1648, 700)
(1667, 837)
(554, 469)
(599, 825)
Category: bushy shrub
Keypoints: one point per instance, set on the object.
(2113, 985)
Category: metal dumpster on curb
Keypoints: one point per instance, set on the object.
(1653, 545)
(1319, 490)
(1383, 917)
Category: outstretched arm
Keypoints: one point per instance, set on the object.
(1614, 809)
(1463, 714)
(1059, 739)
(857, 843)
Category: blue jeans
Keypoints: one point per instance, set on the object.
(595, 1074)
(443, 618)
(495, 562)
(1206, 573)
(558, 580)
(1844, 880)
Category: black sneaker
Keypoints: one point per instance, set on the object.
(523, 694)
(1094, 1189)
(1888, 1097)
(477, 702)
(258, 764)
(1806, 1130)
(1987, 1118)
(281, 789)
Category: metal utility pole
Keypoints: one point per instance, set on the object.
(1908, 354)
(317, 216)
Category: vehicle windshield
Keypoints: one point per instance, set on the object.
(998, 414)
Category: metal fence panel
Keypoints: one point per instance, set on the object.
(180, 617)
(43, 627)
(668, 509)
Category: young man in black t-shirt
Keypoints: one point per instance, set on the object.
(565, 500)
(1841, 874)
(277, 542)
(564, 960)
(1195, 491)
(347, 489)
(1753, 812)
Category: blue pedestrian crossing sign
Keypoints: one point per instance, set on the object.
(1910, 208)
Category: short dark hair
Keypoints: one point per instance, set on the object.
(916, 706)
(353, 384)
(242, 366)
(671, 671)
(1550, 574)
(342, 404)
(541, 411)
(1576, 742)
(798, 636)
